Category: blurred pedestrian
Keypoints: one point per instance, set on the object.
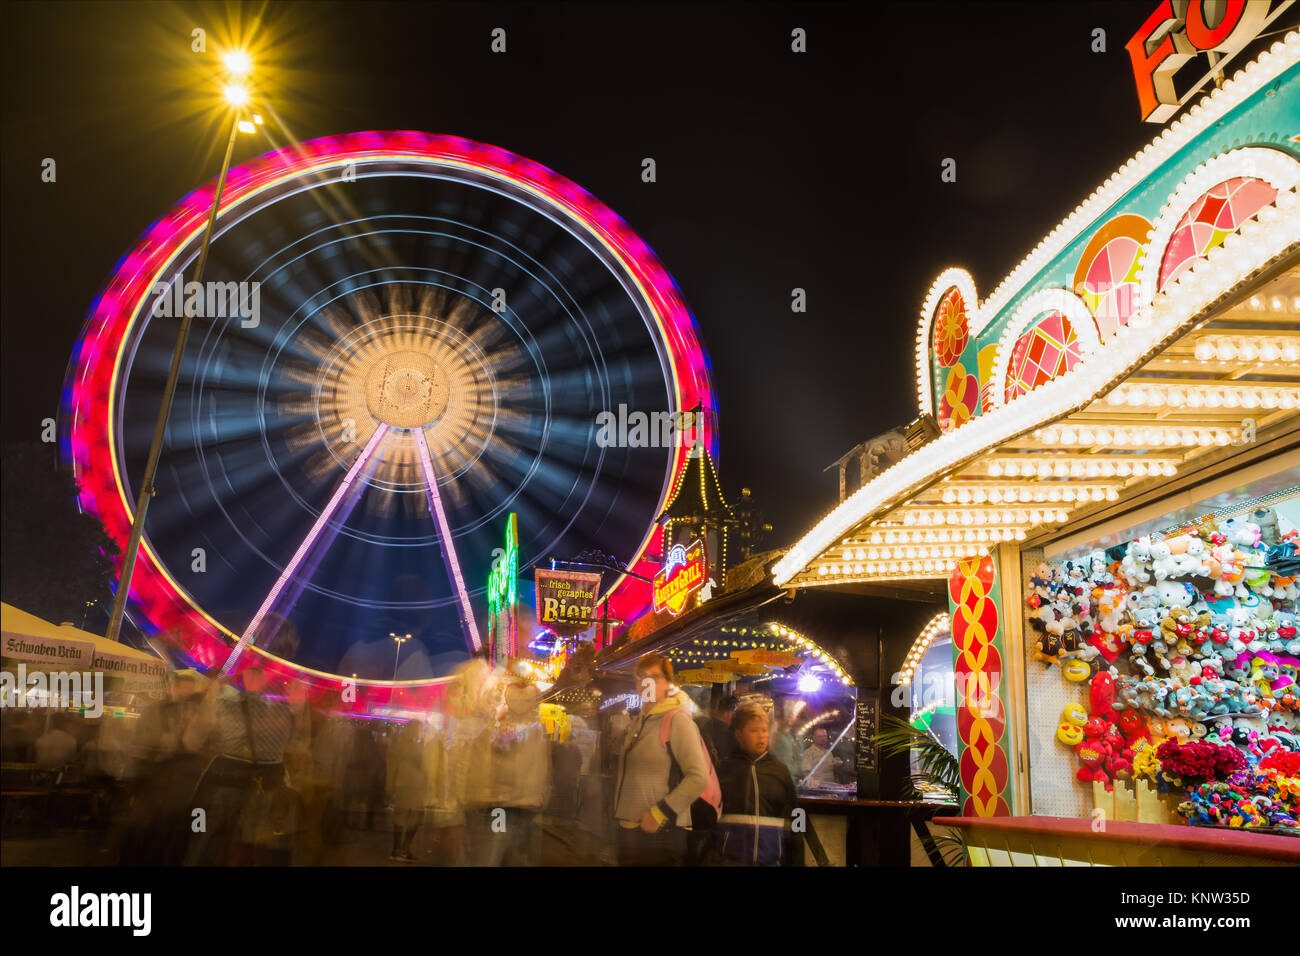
(57, 747)
(652, 809)
(409, 786)
(247, 734)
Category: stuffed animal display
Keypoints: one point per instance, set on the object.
(1185, 640)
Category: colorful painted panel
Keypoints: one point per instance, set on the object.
(1046, 350)
(1106, 277)
(987, 356)
(960, 399)
(951, 328)
(1218, 213)
(977, 669)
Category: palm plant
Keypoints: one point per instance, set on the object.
(938, 773)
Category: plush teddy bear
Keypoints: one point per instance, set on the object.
(1162, 561)
(1192, 561)
(1269, 533)
(1244, 534)
(1135, 566)
(1285, 638)
(1242, 632)
(1143, 634)
(1158, 690)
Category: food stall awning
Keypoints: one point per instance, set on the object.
(1150, 334)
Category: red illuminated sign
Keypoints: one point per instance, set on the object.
(1179, 30)
(685, 571)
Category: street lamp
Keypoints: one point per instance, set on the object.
(237, 65)
(399, 640)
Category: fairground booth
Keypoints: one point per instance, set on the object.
(1105, 472)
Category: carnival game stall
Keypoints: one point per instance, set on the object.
(1102, 472)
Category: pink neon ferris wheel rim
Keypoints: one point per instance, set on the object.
(94, 380)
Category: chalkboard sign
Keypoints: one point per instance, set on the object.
(868, 724)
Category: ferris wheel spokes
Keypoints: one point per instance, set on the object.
(448, 548)
(295, 563)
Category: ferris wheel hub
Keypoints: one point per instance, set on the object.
(406, 389)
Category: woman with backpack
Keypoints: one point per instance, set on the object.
(664, 769)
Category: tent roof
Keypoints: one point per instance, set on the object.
(17, 621)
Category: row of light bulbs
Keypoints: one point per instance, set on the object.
(1081, 468)
(935, 517)
(1247, 350)
(1028, 494)
(1136, 436)
(956, 536)
(939, 624)
(804, 644)
(829, 715)
(940, 567)
(1174, 396)
(1275, 303)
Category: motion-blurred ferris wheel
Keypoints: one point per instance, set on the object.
(437, 325)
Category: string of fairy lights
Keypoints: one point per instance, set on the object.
(705, 461)
(770, 636)
(939, 624)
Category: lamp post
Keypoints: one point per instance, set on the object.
(399, 640)
(237, 66)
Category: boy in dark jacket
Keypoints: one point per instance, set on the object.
(758, 796)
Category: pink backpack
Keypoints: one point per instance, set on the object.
(706, 809)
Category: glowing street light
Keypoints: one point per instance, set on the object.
(238, 63)
(399, 640)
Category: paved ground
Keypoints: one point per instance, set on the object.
(558, 842)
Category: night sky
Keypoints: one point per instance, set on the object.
(776, 170)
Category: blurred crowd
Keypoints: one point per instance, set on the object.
(222, 775)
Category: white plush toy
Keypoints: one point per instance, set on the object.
(1162, 560)
(1192, 561)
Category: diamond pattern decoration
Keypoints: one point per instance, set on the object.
(1046, 350)
(1217, 214)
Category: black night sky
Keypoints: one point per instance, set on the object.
(776, 170)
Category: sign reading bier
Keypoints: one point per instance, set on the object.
(566, 600)
(684, 572)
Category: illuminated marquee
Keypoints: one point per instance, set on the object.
(566, 600)
(1180, 30)
(684, 572)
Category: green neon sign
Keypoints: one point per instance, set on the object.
(505, 571)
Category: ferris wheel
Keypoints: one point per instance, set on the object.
(401, 340)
